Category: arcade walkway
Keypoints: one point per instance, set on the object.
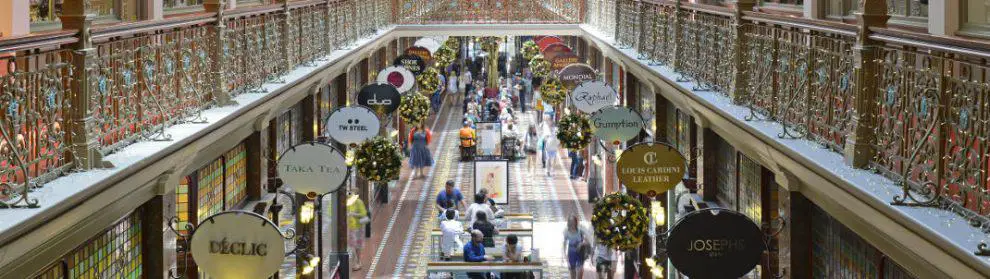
(399, 245)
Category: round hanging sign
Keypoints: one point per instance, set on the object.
(576, 73)
(237, 244)
(400, 77)
(353, 124)
(591, 96)
(719, 238)
(650, 168)
(563, 60)
(382, 97)
(312, 168)
(547, 41)
(616, 124)
(413, 63)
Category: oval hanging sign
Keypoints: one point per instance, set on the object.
(650, 168)
(563, 60)
(353, 124)
(554, 50)
(413, 63)
(382, 97)
(575, 74)
(707, 238)
(591, 96)
(400, 77)
(616, 124)
(422, 52)
(312, 168)
(237, 244)
(547, 41)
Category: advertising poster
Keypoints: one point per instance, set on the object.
(494, 176)
(489, 139)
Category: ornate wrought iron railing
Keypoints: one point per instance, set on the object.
(480, 12)
(918, 103)
(69, 98)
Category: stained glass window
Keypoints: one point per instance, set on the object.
(284, 132)
(647, 107)
(749, 188)
(297, 124)
(48, 11)
(684, 133)
(54, 271)
(235, 174)
(180, 4)
(210, 184)
(115, 253)
(671, 124)
(182, 203)
(837, 252)
(725, 180)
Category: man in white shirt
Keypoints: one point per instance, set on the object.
(452, 231)
(480, 204)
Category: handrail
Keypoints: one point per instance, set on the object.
(303, 4)
(804, 23)
(37, 40)
(711, 9)
(105, 32)
(946, 44)
(252, 11)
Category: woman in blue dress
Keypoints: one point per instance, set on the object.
(419, 156)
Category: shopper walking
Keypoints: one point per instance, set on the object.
(419, 156)
(530, 145)
(357, 217)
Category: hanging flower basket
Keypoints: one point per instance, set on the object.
(574, 131)
(444, 56)
(378, 159)
(428, 81)
(452, 43)
(414, 109)
(620, 221)
(530, 50)
(553, 91)
(540, 66)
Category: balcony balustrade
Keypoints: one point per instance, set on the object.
(920, 103)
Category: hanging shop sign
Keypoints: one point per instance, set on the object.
(422, 52)
(382, 97)
(650, 168)
(413, 63)
(547, 41)
(353, 124)
(563, 60)
(538, 38)
(400, 77)
(590, 96)
(554, 50)
(312, 168)
(715, 243)
(237, 244)
(616, 124)
(576, 73)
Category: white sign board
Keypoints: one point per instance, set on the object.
(353, 124)
(312, 168)
(489, 138)
(591, 96)
(237, 244)
(616, 124)
(400, 77)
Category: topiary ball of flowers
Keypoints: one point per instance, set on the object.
(428, 81)
(553, 91)
(444, 56)
(620, 221)
(414, 108)
(378, 159)
(530, 50)
(574, 131)
(540, 66)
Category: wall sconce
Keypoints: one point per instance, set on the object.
(349, 158)
(306, 212)
(655, 269)
(659, 213)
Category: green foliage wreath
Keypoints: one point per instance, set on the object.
(540, 66)
(620, 221)
(444, 56)
(414, 109)
(428, 81)
(378, 159)
(574, 131)
(530, 50)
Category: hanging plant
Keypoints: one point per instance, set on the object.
(452, 43)
(428, 81)
(574, 131)
(444, 56)
(530, 50)
(378, 160)
(414, 108)
(553, 91)
(620, 222)
(540, 66)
